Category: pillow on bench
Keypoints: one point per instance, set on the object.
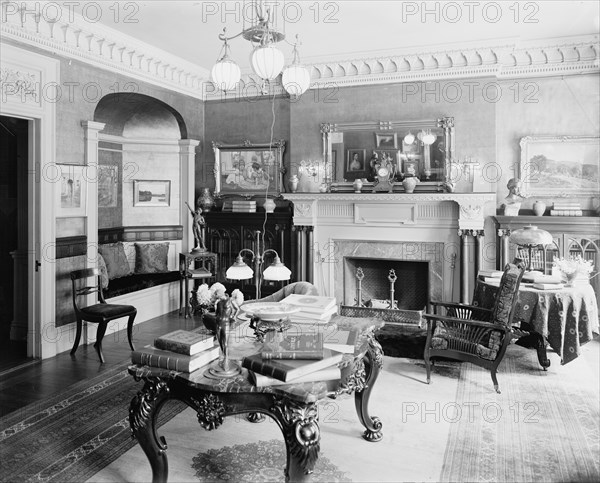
(151, 258)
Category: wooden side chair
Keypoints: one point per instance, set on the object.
(459, 335)
(100, 313)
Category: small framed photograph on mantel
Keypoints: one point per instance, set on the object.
(356, 164)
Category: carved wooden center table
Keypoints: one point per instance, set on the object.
(293, 406)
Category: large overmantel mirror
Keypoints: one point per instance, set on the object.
(421, 148)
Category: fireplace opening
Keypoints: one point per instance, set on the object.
(411, 289)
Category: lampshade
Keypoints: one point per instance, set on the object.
(409, 138)
(267, 61)
(277, 271)
(225, 74)
(295, 79)
(530, 236)
(239, 270)
(428, 138)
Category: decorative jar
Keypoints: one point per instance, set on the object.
(206, 200)
(539, 208)
(409, 183)
(294, 183)
(358, 184)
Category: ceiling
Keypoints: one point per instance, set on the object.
(348, 29)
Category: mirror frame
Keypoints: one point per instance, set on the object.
(380, 127)
(274, 190)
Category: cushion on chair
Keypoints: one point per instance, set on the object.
(115, 258)
(488, 350)
(151, 257)
(103, 271)
(107, 310)
(506, 294)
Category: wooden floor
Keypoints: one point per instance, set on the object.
(38, 380)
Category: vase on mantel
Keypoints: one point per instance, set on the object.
(206, 200)
(294, 183)
(358, 184)
(539, 208)
(409, 183)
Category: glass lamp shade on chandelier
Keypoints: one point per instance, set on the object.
(426, 137)
(266, 59)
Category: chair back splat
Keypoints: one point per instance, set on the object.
(99, 313)
(475, 334)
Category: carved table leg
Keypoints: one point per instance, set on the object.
(299, 424)
(373, 364)
(143, 411)
(536, 341)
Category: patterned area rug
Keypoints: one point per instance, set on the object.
(543, 427)
(261, 461)
(72, 436)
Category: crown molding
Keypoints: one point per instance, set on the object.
(74, 37)
(503, 59)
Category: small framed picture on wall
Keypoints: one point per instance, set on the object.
(151, 192)
(72, 195)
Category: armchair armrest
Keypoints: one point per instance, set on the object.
(464, 311)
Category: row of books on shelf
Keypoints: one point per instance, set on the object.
(566, 208)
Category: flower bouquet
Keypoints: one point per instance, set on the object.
(204, 302)
(573, 266)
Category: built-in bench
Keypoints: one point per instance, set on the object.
(153, 294)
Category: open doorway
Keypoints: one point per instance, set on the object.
(13, 241)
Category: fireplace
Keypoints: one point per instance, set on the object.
(441, 233)
(410, 287)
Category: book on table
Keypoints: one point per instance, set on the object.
(303, 317)
(340, 340)
(311, 303)
(184, 342)
(331, 373)
(292, 344)
(151, 356)
(289, 369)
(547, 286)
(490, 273)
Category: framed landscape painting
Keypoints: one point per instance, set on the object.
(560, 166)
(151, 192)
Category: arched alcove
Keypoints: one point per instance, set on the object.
(138, 150)
(139, 116)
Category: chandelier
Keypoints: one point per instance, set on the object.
(266, 59)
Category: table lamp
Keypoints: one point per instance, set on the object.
(531, 236)
(275, 271)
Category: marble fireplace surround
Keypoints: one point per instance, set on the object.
(432, 252)
(448, 229)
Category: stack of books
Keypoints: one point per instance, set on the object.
(243, 206)
(490, 276)
(541, 281)
(314, 309)
(566, 208)
(293, 356)
(181, 351)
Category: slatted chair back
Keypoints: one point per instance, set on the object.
(82, 287)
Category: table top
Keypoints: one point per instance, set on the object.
(244, 343)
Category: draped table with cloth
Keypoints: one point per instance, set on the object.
(566, 318)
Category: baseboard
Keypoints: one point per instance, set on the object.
(150, 303)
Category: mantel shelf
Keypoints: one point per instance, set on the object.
(471, 205)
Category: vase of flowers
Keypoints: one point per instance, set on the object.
(573, 267)
(204, 301)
